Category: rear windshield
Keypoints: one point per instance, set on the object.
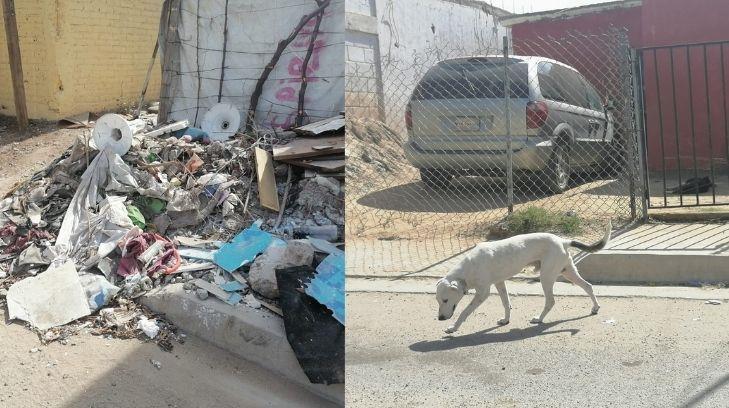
(473, 78)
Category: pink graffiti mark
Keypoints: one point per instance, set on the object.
(287, 94)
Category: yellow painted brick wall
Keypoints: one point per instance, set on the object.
(82, 55)
(37, 50)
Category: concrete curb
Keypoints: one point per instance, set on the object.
(655, 267)
(256, 335)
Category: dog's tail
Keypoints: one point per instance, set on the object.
(597, 245)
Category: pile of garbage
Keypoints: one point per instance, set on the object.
(135, 206)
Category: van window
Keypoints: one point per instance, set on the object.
(561, 84)
(594, 99)
(473, 78)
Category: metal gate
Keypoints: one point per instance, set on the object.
(685, 134)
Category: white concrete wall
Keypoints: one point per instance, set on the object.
(391, 43)
(416, 34)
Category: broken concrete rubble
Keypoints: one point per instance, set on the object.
(262, 275)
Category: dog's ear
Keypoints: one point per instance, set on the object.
(459, 285)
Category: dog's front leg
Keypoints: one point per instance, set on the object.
(475, 302)
(501, 287)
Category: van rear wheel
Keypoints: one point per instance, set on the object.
(435, 179)
(558, 171)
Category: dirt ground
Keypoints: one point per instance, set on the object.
(91, 371)
(394, 219)
(638, 352)
(23, 154)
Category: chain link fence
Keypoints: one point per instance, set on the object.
(461, 145)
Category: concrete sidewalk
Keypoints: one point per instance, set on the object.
(523, 287)
(655, 253)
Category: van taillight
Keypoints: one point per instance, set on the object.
(408, 118)
(536, 114)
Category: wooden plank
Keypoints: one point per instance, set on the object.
(267, 193)
(146, 79)
(324, 166)
(271, 307)
(170, 54)
(16, 64)
(309, 147)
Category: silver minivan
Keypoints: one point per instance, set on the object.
(456, 121)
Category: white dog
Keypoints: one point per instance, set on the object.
(491, 263)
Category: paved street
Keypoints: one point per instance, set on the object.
(638, 352)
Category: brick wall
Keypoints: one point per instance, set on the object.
(82, 56)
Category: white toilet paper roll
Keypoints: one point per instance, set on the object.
(114, 131)
(221, 121)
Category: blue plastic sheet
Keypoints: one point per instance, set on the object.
(244, 248)
(327, 287)
(232, 286)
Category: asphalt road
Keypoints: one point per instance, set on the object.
(637, 352)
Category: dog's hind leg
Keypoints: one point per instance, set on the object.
(501, 287)
(571, 274)
(550, 271)
(475, 302)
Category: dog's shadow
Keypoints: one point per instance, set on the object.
(485, 337)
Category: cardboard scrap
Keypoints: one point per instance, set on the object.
(53, 298)
(267, 192)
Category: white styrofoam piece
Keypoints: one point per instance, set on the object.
(116, 132)
(221, 121)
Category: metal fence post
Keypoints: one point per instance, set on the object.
(639, 131)
(507, 116)
(628, 118)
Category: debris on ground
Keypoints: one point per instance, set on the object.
(136, 205)
(713, 302)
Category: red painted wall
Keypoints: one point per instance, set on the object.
(697, 127)
(671, 22)
(629, 18)
(658, 23)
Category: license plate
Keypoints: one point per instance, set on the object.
(464, 123)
